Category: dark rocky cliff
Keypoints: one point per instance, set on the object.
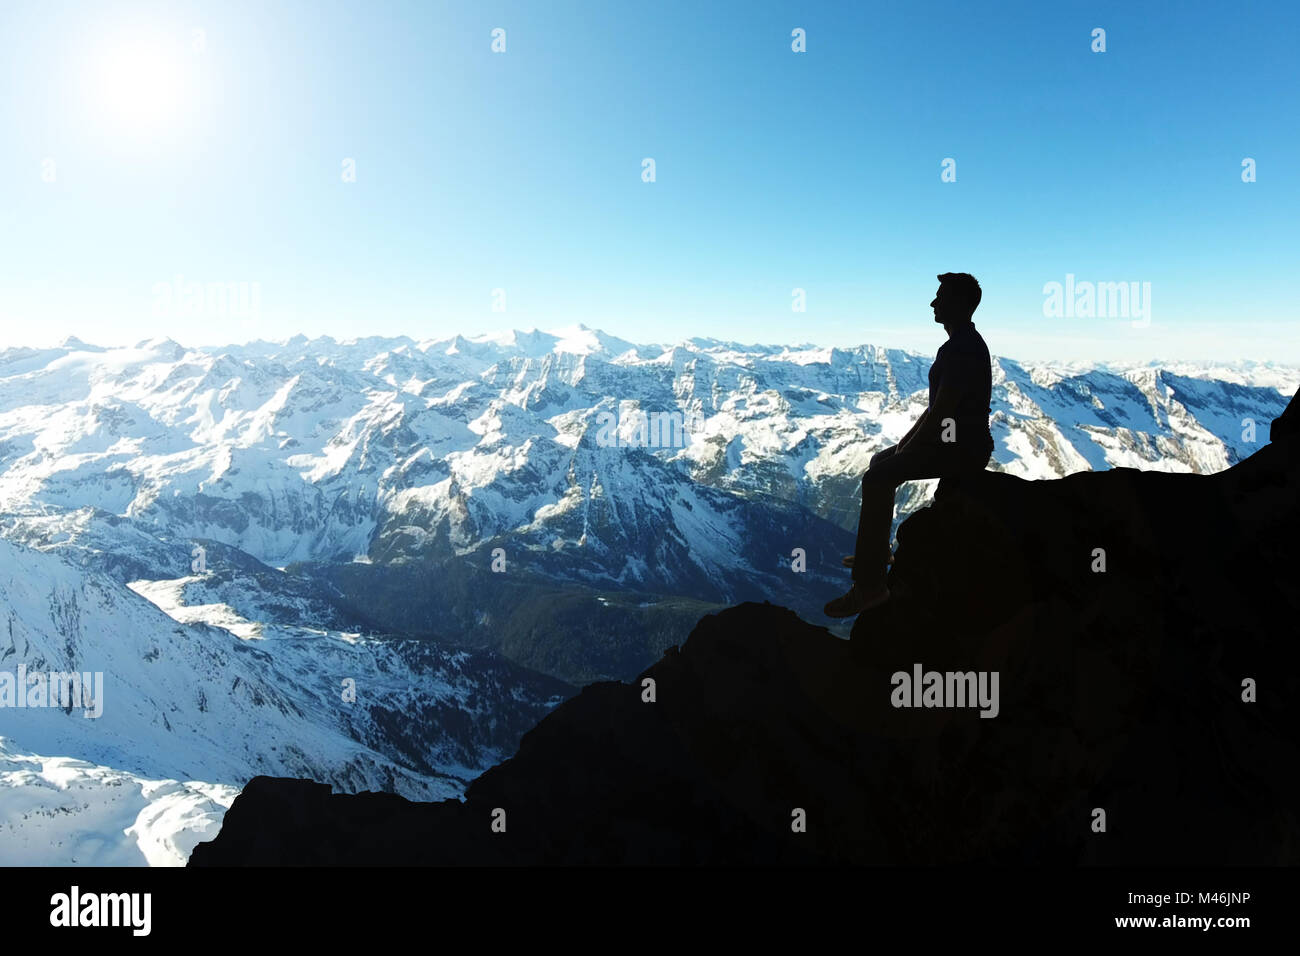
(1119, 690)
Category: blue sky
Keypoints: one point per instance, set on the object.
(137, 150)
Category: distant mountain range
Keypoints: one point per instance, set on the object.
(465, 528)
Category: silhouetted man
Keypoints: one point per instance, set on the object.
(951, 437)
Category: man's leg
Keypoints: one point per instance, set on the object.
(879, 484)
(878, 459)
(882, 456)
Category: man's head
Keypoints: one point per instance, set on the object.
(957, 298)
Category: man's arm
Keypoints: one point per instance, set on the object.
(929, 427)
(911, 432)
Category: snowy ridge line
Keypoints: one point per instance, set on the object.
(312, 450)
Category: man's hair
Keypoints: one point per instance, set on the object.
(962, 287)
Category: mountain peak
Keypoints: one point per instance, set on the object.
(160, 343)
(74, 344)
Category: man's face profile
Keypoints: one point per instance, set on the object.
(942, 305)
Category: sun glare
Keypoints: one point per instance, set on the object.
(140, 80)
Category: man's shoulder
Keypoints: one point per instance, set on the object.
(968, 342)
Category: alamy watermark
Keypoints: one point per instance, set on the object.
(180, 298)
(75, 908)
(1101, 300)
(63, 690)
(922, 688)
(641, 429)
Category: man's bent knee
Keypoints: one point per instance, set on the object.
(879, 481)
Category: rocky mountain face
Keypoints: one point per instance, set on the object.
(1139, 626)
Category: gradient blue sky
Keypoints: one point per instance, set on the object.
(775, 170)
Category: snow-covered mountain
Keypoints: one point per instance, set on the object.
(399, 475)
(194, 693)
(384, 449)
(57, 811)
(229, 534)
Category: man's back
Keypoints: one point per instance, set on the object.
(963, 367)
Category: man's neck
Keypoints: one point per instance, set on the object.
(958, 326)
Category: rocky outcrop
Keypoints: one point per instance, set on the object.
(1141, 627)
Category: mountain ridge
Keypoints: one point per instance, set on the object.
(320, 453)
